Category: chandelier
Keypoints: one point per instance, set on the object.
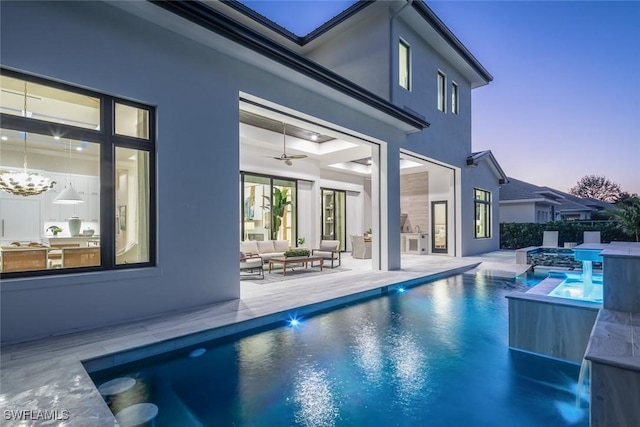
(24, 183)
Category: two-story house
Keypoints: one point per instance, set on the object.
(180, 125)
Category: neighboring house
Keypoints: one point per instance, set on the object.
(521, 201)
(158, 112)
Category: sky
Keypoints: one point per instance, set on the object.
(565, 99)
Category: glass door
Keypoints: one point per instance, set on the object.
(439, 229)
(334, 216)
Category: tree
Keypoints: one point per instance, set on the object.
(627, 214)
(596, 187)
(625, 196)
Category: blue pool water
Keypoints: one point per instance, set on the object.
(433, 355)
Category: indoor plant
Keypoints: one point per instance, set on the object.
(55, 230)
(278, 208)
(301, 241)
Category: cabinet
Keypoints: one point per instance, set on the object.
(20, 219)
(414, 243)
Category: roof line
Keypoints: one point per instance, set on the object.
(290, 35)
(474, 158)
(428, 15)
(212, 20)
(261, 19)
(342, 16)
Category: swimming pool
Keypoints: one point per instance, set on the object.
(433, 355)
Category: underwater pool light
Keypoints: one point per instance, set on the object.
(294, 322)
(401, 290)
(197, 352)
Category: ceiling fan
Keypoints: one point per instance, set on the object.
(284, 156)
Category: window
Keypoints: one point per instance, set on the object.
(442, 92)
(269, 208)
(482, 202)
(98, 210)
(404, 62)
(455, 98)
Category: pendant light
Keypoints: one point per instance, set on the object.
(68, 196)
(24, 183)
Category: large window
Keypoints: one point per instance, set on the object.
(404, 63)
(482, 202)
(268, 208)
(442, 92)
(76, 183)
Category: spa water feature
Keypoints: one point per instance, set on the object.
(585, 286)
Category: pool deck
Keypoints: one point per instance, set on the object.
(51, 374)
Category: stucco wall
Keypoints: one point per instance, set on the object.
(196, 91)
(359, 53)
(517, 212)
(449, 136)
(481, 177)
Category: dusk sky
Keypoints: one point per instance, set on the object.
(565, 100)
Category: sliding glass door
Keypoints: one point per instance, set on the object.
(334, 216)
(268, 208)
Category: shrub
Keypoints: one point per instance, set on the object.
(520, 235)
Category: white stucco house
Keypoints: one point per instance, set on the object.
(523, 202)
(178, 123)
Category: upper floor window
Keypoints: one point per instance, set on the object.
(65, 202)
(442, 92)
(404, 62)
(455, 98)
(482, 203)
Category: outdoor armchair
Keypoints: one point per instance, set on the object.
(329, 250)
(251, 265)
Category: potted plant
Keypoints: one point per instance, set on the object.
(297, 252)
(368, 232)
(300, 241)
(55, 230)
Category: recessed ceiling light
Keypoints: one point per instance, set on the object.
(56, 137)
(314, 137)
(4, 138)
(369, 161)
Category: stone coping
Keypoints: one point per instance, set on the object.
(615, 340)
(622, 249)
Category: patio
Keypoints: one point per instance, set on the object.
(49, 374)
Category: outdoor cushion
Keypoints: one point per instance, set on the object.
(329, 245)
(249, 247)
(265, 247)
(326, 254)
(281, 245)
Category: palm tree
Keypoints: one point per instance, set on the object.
(627, 214)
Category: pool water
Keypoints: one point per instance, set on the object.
(436, 355)
(573, 287)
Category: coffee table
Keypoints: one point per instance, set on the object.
(284, 261)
